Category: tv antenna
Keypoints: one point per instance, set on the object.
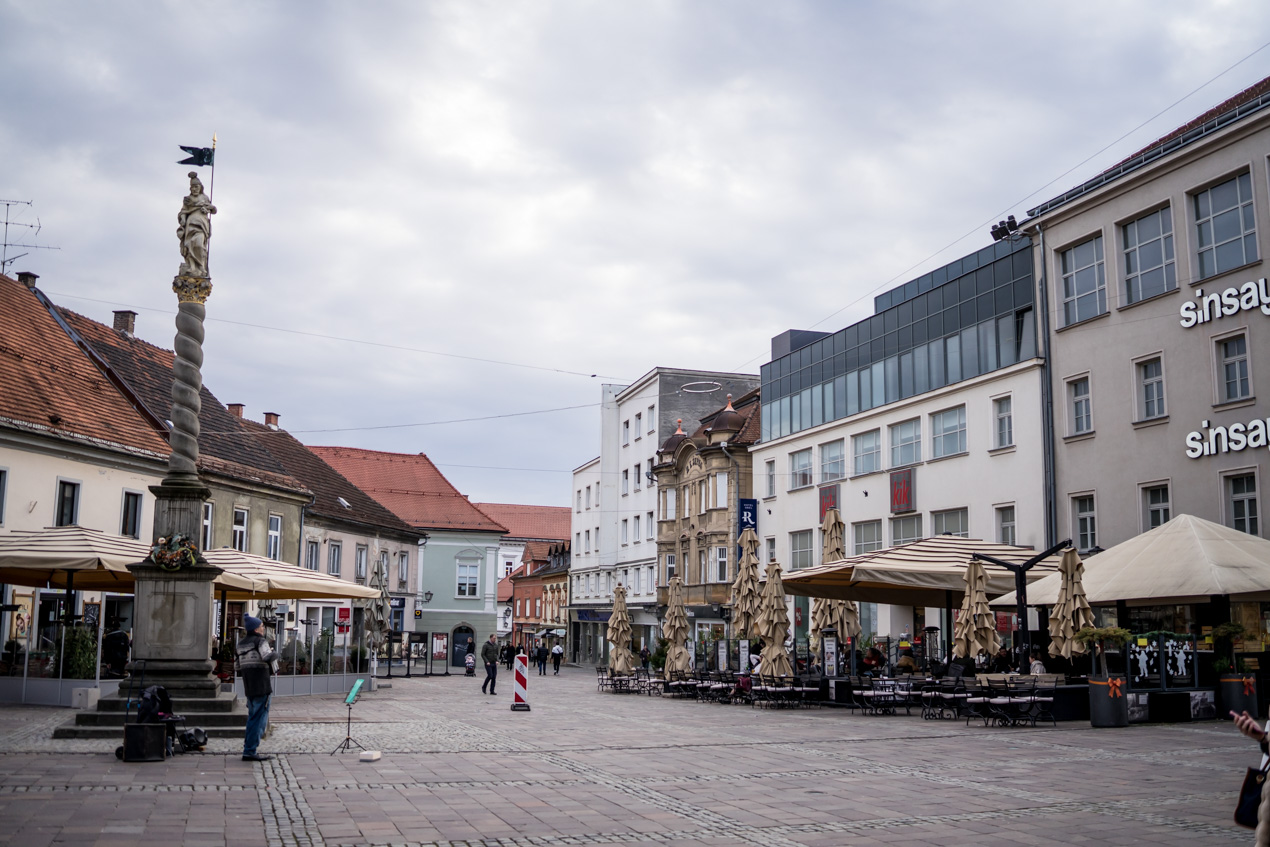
(33, 231)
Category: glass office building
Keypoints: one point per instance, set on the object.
(970, 317)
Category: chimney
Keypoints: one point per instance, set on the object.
(235, 409)
(125, 321)
(28, 279)
(271, 420)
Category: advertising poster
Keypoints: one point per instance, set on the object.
(745, 654)
(440, 646)
(831, 655)
(722, 655)
(20, 621)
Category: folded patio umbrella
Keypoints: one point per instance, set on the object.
(675, 630)
(1071, 612)
(745, 588)
(619, 633)
(984, 637)
(834, 537)
(773, 624)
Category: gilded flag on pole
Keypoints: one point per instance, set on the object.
(199, 156)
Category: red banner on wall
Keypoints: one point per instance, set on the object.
(903, 495)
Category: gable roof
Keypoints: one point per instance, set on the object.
(326, 483)
(1252, 99)
(409, 486)
(545, 523)
(50, 387)
(146, 369)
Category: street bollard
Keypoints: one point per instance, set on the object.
(519, 702)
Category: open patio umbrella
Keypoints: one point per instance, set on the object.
(619, 634)
(745, 588)
(1186, 560)
(675, 630)
(1071, 613)
(773, 624)
(834, 534)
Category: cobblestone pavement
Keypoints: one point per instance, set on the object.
(460, 768)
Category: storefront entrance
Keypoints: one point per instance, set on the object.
(458, 652)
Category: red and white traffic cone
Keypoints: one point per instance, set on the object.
(520, 703)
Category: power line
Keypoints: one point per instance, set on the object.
(347, 340)
(442, 423)
(979, 227)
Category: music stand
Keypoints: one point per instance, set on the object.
(348, 743)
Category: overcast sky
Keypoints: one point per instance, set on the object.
(581, 187)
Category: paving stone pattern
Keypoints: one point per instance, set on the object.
(460, 768)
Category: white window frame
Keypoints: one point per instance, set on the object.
(638, 475)
(862, 455)
(1003, 422)
(128, 496)
(1007, 524)
(76, 488)
(1230, 500)
(1149, 509)
(1205, 243)
(625, 532)
(720, 563)
(273, 544)
(361, 558)
(312, 554)
(948, 521)
(831, 469)
(1222, 362)
(721, 490)
(238, 532)
(1080, 406)
(771, 548)
(4, 487)
(771, 477)
(403, 570)
(650, 528)
(800, 473)
(626, 481)
(639, 425)
(209, 512)
(635, 536)
(906, 529)
(334, 558)
(906, 442)
(703, 496)
(1085, 520)
(944, 441)
(586, 540)
(671, 567)
(467, 577)
(669, 504)
(626, 432)
(652, 419)
(861, 544)
(1132, 247)
(1150, 396)
(588, 497)
(802, 550)
(1075, 306)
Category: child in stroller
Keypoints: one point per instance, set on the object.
(470, 662)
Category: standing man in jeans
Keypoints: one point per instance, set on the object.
(489, 655)
(255, 658)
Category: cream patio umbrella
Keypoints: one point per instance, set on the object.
(746, 587)
(675, 630)
(1071, 613)
(619, 633)
(377, 611)
(964, 628)
(834, 537)
(984, 636)
(773, 624)
(822, 617)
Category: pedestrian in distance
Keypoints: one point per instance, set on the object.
(557, 655)
(644, 656)
(255, 665)
(540, 656)
(507, 655)
(489, 655)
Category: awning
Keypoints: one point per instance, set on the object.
(921, 573)
(100, 562)
(1186, 560)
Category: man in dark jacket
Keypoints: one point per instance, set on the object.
(255, 657)
(489, 655)
(540, 656)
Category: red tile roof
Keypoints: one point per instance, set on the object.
(145, 370)
(50, 387)
(411, 487)
(506, 586)
(334, 497)
(546, 523)
(536, 552)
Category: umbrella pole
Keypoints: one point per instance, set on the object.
(948, 626)
(61, 653)
(224, 619)
(101, 626)
(30, 625)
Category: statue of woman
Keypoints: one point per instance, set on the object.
(194, 229)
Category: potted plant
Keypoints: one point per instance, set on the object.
(1108, 705)
(1236, 690)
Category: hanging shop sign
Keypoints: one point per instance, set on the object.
(1209, 441)
(747, 515)
(1253, 294)
(903, 495)
(828, 499)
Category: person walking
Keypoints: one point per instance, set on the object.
(489, 655)
(540, 656)
(644, 657)
(557, 655)
(255, 658)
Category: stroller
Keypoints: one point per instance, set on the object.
(470, 663)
